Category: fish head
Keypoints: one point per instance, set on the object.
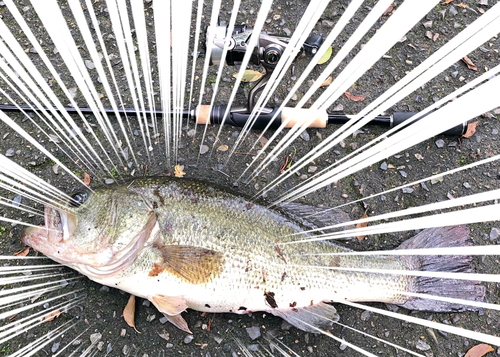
(105, 232)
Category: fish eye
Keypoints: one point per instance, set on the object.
(78, 199)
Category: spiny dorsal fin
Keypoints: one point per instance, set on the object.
(194, 264)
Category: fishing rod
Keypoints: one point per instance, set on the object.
(267, 53)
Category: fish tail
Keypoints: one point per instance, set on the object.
(442, 237)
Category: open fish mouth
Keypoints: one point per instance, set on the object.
(59, 226)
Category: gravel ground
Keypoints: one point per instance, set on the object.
(220, 334)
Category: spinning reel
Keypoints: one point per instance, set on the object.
(267, 53)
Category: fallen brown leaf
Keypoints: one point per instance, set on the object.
(362, 225)
(471, 129)
(250, 76)
(178, 171)
(446, 1)
(469, 63)
(479, 350)
(51, 316)
(354, 98)
(223, 148)
(86, 178)
(23, 252)
(462, 5)
(129, 312)
(327, 82)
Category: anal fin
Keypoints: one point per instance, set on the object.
(314, 318)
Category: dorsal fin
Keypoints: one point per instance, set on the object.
(194, 264)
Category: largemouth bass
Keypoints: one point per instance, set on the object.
(188, 244)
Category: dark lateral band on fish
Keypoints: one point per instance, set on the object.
(217, 255)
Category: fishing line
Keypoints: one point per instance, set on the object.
(432, 324)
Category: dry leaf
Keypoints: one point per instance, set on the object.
(479, 350)
(250, 76)
(388, 11)
(362, 225)
(129, 312)
(86, 178)
(471, 129)
(462, 5)
(469, 63)
(178, 171)
(327, 82)
(23, 252)
(51, 316)
(223, 148)
(263, 140)
(326, 56)
(446, 1)
(354, 98)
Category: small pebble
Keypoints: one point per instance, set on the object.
(427, 24)
(407, 190)
(104, 289)
(95, 337)
(17, 200)
(9, 152)
(146, 303)
(365, 315)
(342, 346)
(494, 131)
(453, 11)
(403, 173)
(424, 186)
(191, 133)
(312, 169)
(253, 332)
(109, 181)
(163, 320)
(188, 339)
(440, 143)
(126, 350)
(287, 31)
(383, 166)
(55, 168)
(72, 92)
(55, 347)
(203, 149)
(254, 347)
(422, 346)
(305, 136)
(467, 185)
(89, 64)
(450, 197)
(494, 234)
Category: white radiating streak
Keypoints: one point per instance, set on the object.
(181, 22)
(464, 216)
(461, 201)
(40, 190)
(96, 58)
(199, 12)
(37, 77)
(313, 12)
(474, 35)
(398, 347)
(229, 32)
(452, 114)
(71, 343)
(7, 202)
(6, 314)
(210, 44)
(138, 11)
(469, 250)
(127, 31)
(51, 16)
(18, 279)
(432, 324)
(252, 43)
(339, 26)
(161, 10)
(35, 346)
(344, 342)
(122, 47)
(286, 351)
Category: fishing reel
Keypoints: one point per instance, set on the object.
(267, 53)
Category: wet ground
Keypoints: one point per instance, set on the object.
(218, 334)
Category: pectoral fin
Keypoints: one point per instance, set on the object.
(194, 264)
(314, 318)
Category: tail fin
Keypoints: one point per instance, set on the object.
(454, 236)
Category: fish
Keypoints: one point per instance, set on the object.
(183, 243)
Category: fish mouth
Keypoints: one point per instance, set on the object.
(59, 227)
